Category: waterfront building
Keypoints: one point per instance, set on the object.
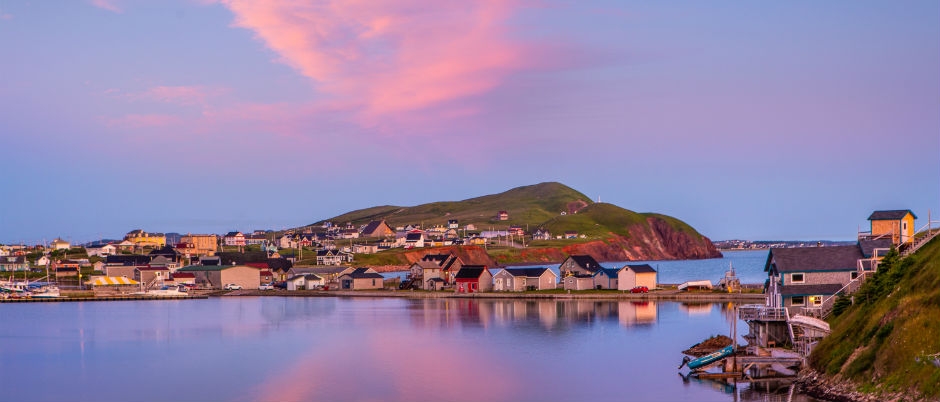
(520, 279)
(472, 279)
(217, 276)
(579, 264)
(362, 279)
(633, 275)
(898, 225)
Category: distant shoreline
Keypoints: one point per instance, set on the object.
(664, 295)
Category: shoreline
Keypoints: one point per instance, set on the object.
(668, 295)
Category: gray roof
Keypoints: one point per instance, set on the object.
(527, 272)
(806, 259)
(587, 262)
(363, 273)
(610, 272)
(640, 268)
(810, 290)
(892, 215)
(868, 246)
(318, 270)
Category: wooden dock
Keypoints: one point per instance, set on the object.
(102, 298)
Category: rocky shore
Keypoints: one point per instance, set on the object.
(821, 386)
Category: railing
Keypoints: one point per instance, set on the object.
(919, 242)
(826, 307)
(757, 312)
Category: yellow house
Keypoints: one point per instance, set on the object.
(144, 239)
(899, 224)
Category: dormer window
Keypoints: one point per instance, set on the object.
(797, 278)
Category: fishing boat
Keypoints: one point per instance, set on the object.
(45, 291)
(704, 361)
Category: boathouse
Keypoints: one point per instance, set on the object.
(633, 275)
(362, 279)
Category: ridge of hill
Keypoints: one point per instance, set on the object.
(887, 344)
(605, 231)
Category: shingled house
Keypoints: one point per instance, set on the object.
(802, 278)
(377, 229)
(579, 265)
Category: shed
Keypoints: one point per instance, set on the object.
(606, 278)
(305, 281)
(633, 275)
(361, 279)
(472, 279)
(217, 276)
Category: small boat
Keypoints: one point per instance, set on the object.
(695, 364)
(46, 292)
(165, 291)
(695, 285)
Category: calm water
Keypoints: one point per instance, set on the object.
(339, 349)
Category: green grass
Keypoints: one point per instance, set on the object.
(893, 323)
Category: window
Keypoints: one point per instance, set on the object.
(797, 301)
(815, 300)
(854, 275)
(796, 278)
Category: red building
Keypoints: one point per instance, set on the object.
(472, 279)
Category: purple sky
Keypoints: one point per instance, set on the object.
(791, 120)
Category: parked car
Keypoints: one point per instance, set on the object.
(266, 286)
(232, 286)
(640, 289)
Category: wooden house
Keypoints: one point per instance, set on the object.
(633, 275)
(304, 282)
(896, 224)
(800, 279)
(578, 282)
(520, 279)
(606, 278)
(472, 279)
(234, 239)
(362, 279)
(579, 264)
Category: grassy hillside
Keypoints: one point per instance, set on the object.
(883, 341)
(528, 205)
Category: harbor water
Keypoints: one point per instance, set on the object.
(353, 349)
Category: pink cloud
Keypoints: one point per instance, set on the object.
(182, 95)
(390, 57)
(133, 121)
(107, 5)
(5, 16)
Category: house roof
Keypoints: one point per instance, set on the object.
(153, 269)
(184, 275)
(470, 272)
(310, 277)
(435, 279)
(640, 268)
(318, 270)
(207, 268)
(413, 236)
(527, 272)
(611, 272)
(868, 246)
(814, 258)
(891, 215)
(363, 273)
(427, 264)
(233, 234)
(585, 261)
(810, 290)
(128, 259)
(371, 227)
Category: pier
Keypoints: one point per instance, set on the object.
(102, 298)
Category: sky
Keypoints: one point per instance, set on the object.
(751, 120)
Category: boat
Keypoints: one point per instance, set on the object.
(165, 291)
(46, 292)
(703, 284)
(704, 361)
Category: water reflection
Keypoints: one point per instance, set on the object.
(337, 349)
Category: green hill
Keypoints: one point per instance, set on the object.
(605, 231)
(888, 340)
(527, 205)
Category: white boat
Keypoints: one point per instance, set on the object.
(696, 284)
(165, 291)
(46, 292)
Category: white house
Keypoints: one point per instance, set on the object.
(101, 250)
(631, 276)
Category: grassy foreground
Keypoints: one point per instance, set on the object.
(887, 340)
